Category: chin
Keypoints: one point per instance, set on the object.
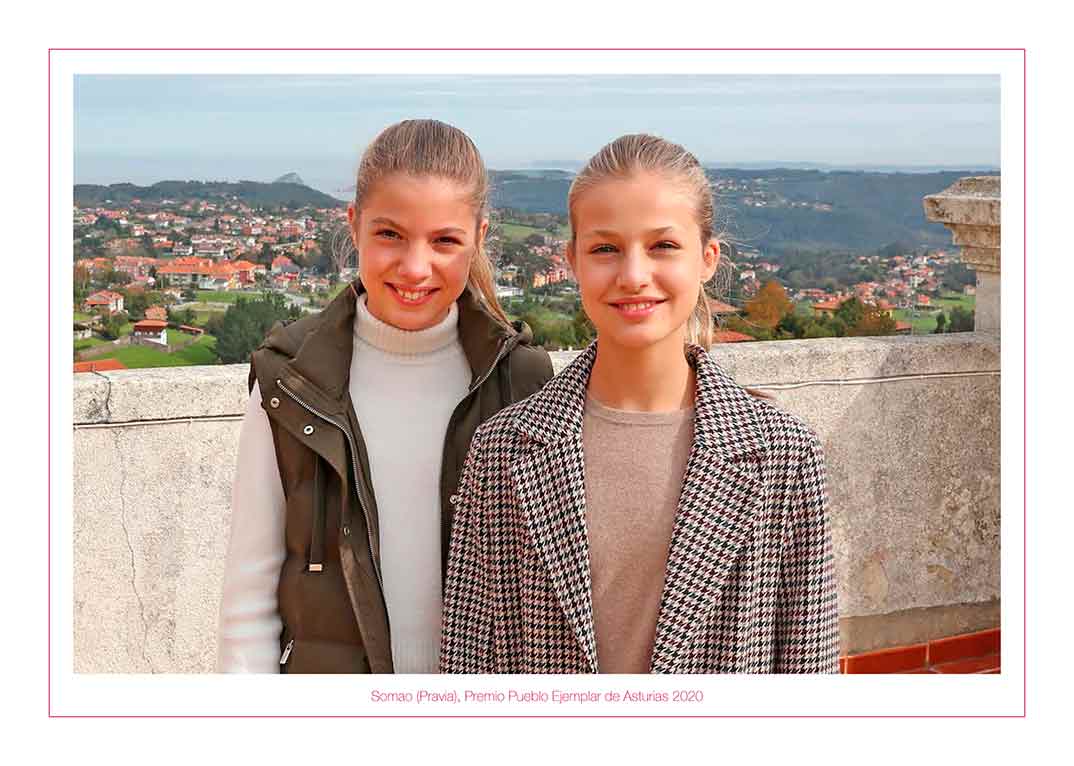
(637, 338)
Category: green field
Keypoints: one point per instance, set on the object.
(201, 351)
(925, 322)
(90, 343)
(950, 300)
(516, 232)
(81, 317)
(135, 357)
(176, 336)
(225, 296)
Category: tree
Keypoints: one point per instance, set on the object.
(874, 321)
(769, 306)
(81, 284)
(135, 303)
(113, 277)
(793, 325)
(265, 256)
(851, 312)
(584, 331)
(245, 324)
(961, 320)
(941, 320)
(112, 325)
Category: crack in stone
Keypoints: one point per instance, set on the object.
(130, 549)
(107, 396)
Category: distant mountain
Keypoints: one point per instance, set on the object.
(783, 209)
(253, 193)
(290, 178)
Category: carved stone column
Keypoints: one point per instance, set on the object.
(970, 209)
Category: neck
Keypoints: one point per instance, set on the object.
(655, 378)
(393, 340)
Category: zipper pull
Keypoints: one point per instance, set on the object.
(287, 651)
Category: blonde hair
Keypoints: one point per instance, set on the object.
(640, 152)
(434, 148)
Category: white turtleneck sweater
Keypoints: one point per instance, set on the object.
(404, 386)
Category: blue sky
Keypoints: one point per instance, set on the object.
(146, 128)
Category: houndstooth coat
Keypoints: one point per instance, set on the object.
(749, 584)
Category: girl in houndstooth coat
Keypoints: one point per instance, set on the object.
(543, 575)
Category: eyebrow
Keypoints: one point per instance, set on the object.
(610, 233)
(383, 221)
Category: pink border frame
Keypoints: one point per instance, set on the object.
(1024, 465)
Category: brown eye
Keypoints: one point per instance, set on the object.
(387, 233)
(603, 249)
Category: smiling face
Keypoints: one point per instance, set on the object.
(639, 259)
(415, 238)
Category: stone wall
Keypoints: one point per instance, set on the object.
(910, 427)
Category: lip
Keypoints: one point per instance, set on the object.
(623, 307)
(395, 291)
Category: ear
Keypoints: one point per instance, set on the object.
(352, 220)
(711, 257)
(569, 254)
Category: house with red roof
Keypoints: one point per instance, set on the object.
(151, 331)
(283, 264)
(105, 301)
(157, 312)
(246, 270)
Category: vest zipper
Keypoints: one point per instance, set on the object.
(354, 464)
(499, 355)
(287, 651)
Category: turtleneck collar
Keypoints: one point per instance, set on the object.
(392, 340)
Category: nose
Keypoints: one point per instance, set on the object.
(415, 264)
(634, 270)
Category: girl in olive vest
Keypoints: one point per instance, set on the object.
(359, 420)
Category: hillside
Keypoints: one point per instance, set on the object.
(253, 193)
(782, 209)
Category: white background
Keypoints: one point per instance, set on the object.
(543, 25)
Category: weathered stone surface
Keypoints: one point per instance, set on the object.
(910, 427)
(986, 317)
(975, 236)
(174, 392)
(795, 361)
(973, 200)
(151, 516)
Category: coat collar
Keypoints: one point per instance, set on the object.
(322, 361)
(725, 414)
(719, 503)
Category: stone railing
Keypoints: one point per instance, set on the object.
(910, 427)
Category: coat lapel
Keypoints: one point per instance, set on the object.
(550, 482)
(718, 507)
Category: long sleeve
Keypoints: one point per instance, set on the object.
(467, 639)
(250, 625)
(807, 630)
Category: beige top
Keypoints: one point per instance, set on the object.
(634, 466)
